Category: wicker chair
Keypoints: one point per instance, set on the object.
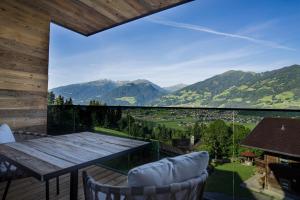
(188, 190)
(9, 172)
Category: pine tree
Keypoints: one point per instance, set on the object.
(51, 98)
(69, 101)
(95, 103)
(59, 100)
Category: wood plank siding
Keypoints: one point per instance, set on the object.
(282, 173)
(24, 45)
(91, 16)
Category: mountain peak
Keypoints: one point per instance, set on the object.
(236, 72)
(272, 89)
(235, 88)
(176, 87)
(140, 81)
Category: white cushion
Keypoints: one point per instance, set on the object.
(169, 170)
(3, 167)
(5, 134)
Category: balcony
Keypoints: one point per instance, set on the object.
(163, 126)
(30, 188)
(264, 172)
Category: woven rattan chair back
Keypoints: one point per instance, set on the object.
(188, 190)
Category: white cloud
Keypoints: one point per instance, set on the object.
(197, 68)
(170, 63)
(215, 32)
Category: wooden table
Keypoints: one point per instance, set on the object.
(50, 157)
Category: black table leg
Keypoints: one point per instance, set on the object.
(57, 185)
(47, 189)
(74, 185)
(6, 189)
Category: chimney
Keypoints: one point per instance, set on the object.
(282, 127)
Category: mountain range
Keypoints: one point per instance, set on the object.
(139, 92)
(272, 89)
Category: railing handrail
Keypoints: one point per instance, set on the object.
(192, 108)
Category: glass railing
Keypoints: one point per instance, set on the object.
(235, 171)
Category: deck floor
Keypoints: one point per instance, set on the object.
(32, 189)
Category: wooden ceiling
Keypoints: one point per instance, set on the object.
(92, 16)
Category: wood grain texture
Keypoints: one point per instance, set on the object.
(24, 47)
(30, 188)
(11, 100)
(48, 156)
(36, 165)
(91, 16)
(40, 155)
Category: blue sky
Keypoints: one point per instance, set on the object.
(185, 44)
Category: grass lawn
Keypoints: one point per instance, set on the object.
(110, 132)
(174, 123)
(251, 126)
(222, 179)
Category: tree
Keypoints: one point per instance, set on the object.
(51, 98)
(188, 132)
(69, 101)
(239, 133)
(59, 100)
(130, 122)
(123, 123)
(217, 139)
(197, 130)
(95, 103)
(118, 114)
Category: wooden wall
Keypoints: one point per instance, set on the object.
(285, 172)
(24, 47)
(272, 182)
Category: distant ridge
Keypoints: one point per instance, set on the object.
(272, 89)
(176, 87)
(139, 92)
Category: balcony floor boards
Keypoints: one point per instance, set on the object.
(31, 189)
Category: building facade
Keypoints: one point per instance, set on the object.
(279, 138)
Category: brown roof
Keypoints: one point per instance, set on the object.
(91, 16)
(248, 154)
(276, 135)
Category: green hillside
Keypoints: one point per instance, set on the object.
(135, 93)
(273, 89)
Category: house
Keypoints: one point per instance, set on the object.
(279, 138)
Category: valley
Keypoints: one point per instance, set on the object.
(233, 89)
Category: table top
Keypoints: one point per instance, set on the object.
(51, 156)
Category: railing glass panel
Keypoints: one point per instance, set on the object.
(235, 171)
